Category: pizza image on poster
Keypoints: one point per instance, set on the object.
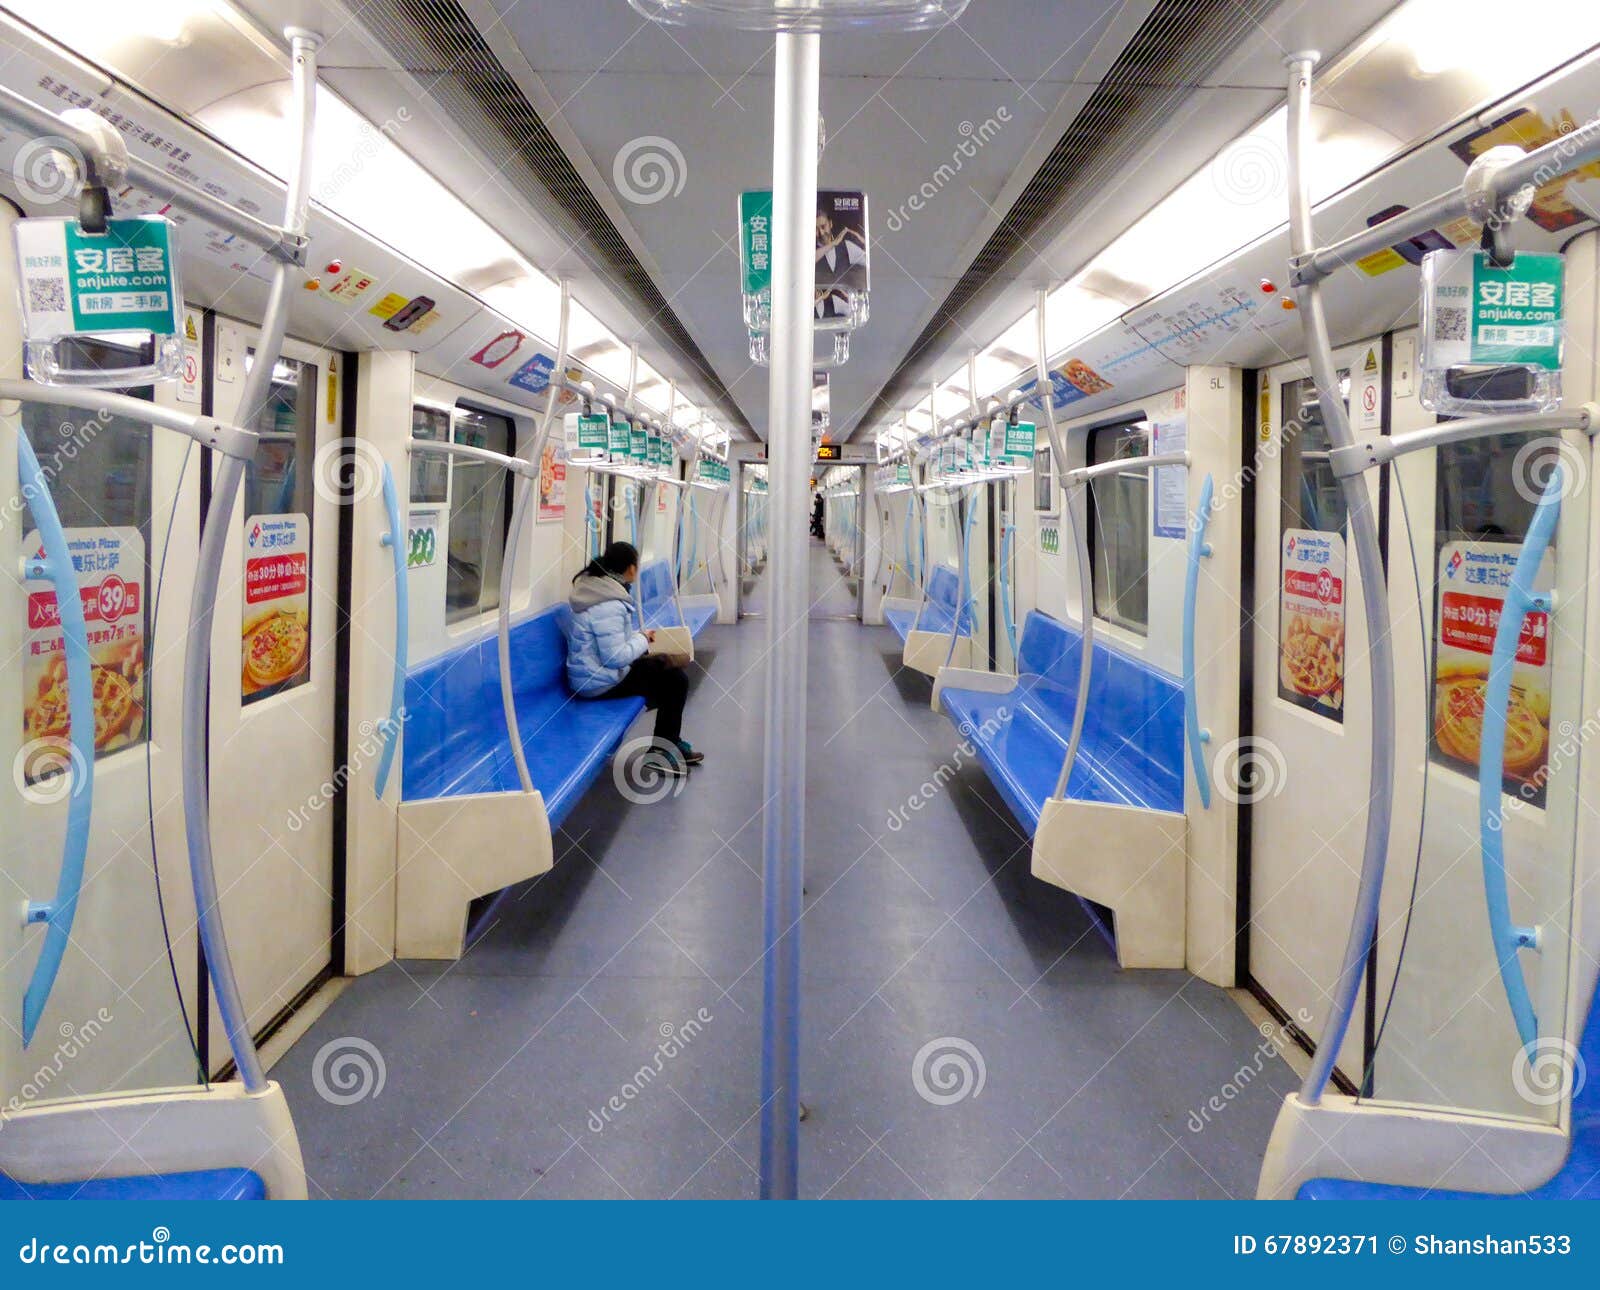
(109, 563)
(1473, 577)
(275, 644)
(1311, 621)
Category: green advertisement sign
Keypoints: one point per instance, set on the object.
(594, 430)
(78, 283)
(1482, 314)
(638, 445)
(1020, 440)
(617, 438)
(755, 241)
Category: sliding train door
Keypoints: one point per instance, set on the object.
(110, 1008)
(273, 685)
(1302, 772)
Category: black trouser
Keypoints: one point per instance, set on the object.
(662, 687)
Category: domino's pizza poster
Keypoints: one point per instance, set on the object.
(1311, 611)
(275, 644)
(109, 564)
(1472, 582)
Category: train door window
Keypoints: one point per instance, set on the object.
(99, 473)
(1119, 530)
(1312, 550)
(479, 512)
(1044, 481)
(1486, 492)
(278, 511)
(430, 475)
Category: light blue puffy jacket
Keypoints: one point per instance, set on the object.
(604, 640)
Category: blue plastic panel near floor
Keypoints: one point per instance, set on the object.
(602, 1037)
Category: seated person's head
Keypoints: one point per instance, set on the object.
(620, 560)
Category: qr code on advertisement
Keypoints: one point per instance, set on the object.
(47, 295)
(1450, 323)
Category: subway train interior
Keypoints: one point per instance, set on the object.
(825, 599)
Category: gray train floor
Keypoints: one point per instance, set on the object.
(965, 1031)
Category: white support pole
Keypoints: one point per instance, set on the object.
(1374, 596)
(794, 207)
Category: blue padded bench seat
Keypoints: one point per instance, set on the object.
(203, 1184)
(938, 608)
(1132, 748)
(1578, 1179)
(455, 733)
(655, 601)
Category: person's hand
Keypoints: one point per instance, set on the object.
(650, 636)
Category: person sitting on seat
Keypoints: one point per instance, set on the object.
(608, 655)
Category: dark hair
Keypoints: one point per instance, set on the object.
(615, 561)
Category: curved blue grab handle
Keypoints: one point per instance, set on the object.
(1194, 735)
(1520, 599)
(1007, 532)
(394, 539)
(58, 913)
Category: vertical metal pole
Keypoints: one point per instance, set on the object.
(1374, 597)
(794, 209)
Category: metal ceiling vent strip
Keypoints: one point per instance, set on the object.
(1175, 48)
(436, 39)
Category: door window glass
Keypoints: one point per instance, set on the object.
(1119, 529)
(275, 645)
(99, 475)
(479, 512)
(1312, 574)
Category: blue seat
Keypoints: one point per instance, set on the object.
(938, 610)
(655, 601)
(455, 733)
(1132, 748)
(203, 1184)
(1578, 1179)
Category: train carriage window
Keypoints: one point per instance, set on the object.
(99, 473)
(279, 514)
(1486, 491)
(1312, 557)
(430, 476)
(480, 511)
(1119, 530)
